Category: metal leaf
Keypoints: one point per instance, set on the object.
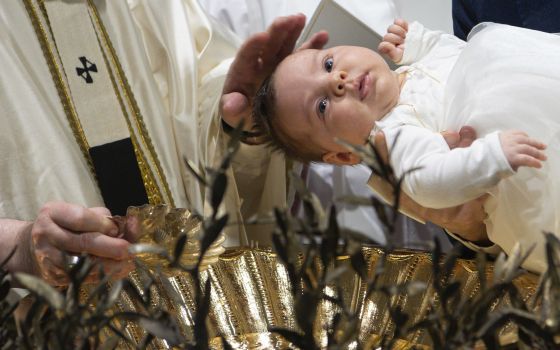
(203, 306)
(4, 290)
(359, 264)
(115, 292)
(193, 170)
(162, 329)
(226, 345)
(179, 247)
(293, 337)
(218, 190)
(354, 200)
(142, 248)
(41, 289)
(306, 307)
(329, 241)
(333, 275)
(211, 233)
(110, 344)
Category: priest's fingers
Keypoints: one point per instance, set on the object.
(242, 81)
(51, 265)
(54, 267)
(235, 108)
(284, 32)
(101, 211)
(317, 41)
(47, 233)
(49, 229)
(245, 70)
(77, 218)
(93, 243)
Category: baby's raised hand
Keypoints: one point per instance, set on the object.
(521, 150)
(393, 42)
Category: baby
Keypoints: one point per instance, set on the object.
(316, 97)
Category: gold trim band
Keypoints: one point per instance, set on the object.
(153, 177)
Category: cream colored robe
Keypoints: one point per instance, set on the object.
(175, 60)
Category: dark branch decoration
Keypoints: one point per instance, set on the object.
(178, 302)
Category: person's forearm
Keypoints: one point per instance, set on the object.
(466, 221)
(15, 234)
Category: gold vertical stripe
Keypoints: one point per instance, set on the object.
(129, 97)
(57, 75)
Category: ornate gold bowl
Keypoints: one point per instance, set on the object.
(251, 293)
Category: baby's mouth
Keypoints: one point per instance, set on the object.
(365, 82)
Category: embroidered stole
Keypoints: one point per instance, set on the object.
(98, 102)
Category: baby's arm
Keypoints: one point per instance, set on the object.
(406, 44)
(447, 178)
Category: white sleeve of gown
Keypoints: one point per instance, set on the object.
(422, 43)
(445, 178)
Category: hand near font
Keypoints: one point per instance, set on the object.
(61, 229)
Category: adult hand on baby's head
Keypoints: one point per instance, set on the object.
(256, 59)
(393, 42)
(521, 150)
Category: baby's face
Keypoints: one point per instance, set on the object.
(334, 93)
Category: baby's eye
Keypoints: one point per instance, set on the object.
(329, 62)
(322, 106)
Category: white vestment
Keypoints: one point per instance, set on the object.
(175, 59)
(504, 78)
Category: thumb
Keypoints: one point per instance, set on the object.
(468, 135)
(235, 107)
(113, 231)
(317, 41)
(452, 138)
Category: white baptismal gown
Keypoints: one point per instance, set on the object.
(509, 78)
(503, 78)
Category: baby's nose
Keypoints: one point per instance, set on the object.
(341, 82)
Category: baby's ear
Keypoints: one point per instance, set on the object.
(341, 158)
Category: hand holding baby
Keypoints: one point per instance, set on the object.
(393, 42)
(521, 150)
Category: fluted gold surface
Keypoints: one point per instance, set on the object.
(251, 292)
(162, 225)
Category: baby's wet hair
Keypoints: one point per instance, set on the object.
(266, 120)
